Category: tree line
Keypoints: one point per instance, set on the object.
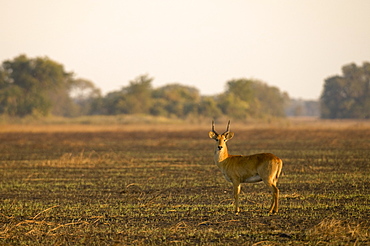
(347, 96)
(40, 87)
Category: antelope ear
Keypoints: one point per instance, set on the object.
(229, 135)
(212, 135)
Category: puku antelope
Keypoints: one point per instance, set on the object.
(239, 169)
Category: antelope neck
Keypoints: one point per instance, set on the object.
(221, 155)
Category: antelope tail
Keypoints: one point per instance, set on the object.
(280, 169)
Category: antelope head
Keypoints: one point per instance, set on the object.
(221, 139)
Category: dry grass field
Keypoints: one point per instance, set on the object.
(157, 185)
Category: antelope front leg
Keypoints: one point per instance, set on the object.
(236, 197)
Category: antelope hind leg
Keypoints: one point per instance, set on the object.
(275, 199)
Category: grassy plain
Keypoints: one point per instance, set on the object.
(157, 185)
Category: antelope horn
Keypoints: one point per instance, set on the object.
(227, 128)
(213, 127)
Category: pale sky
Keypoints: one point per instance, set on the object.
(291, 44)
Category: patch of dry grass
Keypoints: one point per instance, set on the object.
(334, 231)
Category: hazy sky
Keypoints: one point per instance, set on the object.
(291, 44)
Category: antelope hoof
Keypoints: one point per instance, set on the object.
(271, 212)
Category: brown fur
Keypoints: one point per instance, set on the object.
(239, 169)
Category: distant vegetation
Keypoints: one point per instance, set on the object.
(347, 96)
(42, 87)
(300, 107)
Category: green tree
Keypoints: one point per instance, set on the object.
(133, 99)
(271, 101)
(245, 98)
(347, 96)
(208, 107)
(86, 97)
(233, 106)
(111, 102)
(176, 100)
(27, 86)
(238, 100)
(10, 99)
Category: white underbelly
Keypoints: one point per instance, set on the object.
(253, 179)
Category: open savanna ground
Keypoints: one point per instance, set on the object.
(158, 185)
